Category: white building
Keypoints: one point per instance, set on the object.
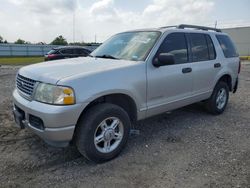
(241, 38)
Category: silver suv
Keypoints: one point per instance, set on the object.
(92, 101)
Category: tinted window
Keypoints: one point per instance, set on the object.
(175, 43)
(80, 51)
(199, 47)
(53, 52)
(211, 49)
(227, 46)
(67, 51)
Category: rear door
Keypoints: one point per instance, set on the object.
(67, 53)
(81, 52)
(204, 62)
(170, 86)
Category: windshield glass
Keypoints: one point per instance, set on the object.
(133, 46)
(51, 51)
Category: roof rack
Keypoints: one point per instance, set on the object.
(183, 26)
(164, 27)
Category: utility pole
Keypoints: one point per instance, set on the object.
(74, 26)
(215, 25)
(95, 38)
(82, 38)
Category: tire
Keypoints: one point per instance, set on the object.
(95, 139)
(214, 105)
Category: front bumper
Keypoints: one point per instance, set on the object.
(58, 121)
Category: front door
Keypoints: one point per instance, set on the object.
(205, 64)
(170, 86)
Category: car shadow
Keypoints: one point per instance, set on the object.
(170, 124)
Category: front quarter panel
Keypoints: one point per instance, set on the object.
(129, 80)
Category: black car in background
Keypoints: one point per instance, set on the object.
(66, 52)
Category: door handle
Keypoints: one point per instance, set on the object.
(217, 65)
(186, 70)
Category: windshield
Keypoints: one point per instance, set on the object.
(51, 51)
(133, 46)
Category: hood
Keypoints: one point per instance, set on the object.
(53, 71)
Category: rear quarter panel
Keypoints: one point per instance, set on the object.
(229, 65)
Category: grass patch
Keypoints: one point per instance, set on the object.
(245, 57)
(20, 60)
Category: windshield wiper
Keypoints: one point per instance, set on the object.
(106, 56)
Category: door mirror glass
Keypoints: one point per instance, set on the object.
(164, 59)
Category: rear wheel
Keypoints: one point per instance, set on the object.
(217, 103)
(102, 132)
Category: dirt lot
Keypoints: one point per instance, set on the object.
(185, 148)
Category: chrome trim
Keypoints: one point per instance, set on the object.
(25, 86)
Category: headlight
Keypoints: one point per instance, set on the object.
(52, 94)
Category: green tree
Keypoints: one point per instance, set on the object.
(1, 39)
(60, 40)
(20, 41)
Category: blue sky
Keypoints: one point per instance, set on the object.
(43, 20)
(232, 10)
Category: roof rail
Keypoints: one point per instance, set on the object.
(168, 26)
(183, 26)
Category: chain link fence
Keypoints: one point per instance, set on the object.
(8, 50)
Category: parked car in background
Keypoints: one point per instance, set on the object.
(66, 52)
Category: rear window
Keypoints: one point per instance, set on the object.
(202, 47)
(199, 47)
(211, 49)
(227, 46)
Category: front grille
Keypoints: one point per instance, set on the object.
(25, 86)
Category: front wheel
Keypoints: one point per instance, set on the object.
(102, 132)
(217, 103)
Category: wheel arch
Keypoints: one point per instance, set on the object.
(122, 100)
(227, 78)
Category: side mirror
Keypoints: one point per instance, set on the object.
(164, 59)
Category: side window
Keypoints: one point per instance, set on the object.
(211, 49)
(53, 52)
(77, 51)
(81, 52)
(176, 44)
(227, 46)
(67, 51)
(199, 47)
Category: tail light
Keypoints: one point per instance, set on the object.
(239, 67)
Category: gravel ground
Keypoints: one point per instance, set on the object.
(185, 148)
